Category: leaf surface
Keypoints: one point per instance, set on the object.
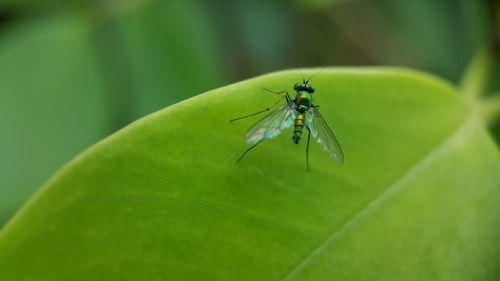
(416, 199)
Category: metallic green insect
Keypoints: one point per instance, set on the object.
(301, 112)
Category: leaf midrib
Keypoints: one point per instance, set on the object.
(397, 185)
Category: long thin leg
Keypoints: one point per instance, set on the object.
(307, 148)
(267, 109)
(271, 91)
(288, 99)
(248, 150)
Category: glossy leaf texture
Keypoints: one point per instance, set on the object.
(416, 199)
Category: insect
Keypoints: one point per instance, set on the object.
(300, 112)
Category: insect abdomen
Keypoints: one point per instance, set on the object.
(299, 126)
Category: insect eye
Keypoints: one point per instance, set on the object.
(311, 88)
(296, 86)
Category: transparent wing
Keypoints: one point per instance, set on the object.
(272, 124)
(324, 135)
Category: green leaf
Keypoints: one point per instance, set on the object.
(417, 197)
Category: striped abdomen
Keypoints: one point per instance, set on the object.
(299, 126)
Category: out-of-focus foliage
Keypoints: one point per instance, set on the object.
(52, 102)
(170, 53)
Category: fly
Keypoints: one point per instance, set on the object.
(300, 112)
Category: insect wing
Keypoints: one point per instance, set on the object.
(324, 135)
(272, 124)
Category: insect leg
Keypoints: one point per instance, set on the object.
(273, 92)
(288, 99)
(267, 109)
(307, 147)
(248, 150)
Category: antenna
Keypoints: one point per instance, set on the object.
(303, 79)
(321, 70)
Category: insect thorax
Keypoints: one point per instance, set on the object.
(303, 100)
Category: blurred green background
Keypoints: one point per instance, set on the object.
(73, 72)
